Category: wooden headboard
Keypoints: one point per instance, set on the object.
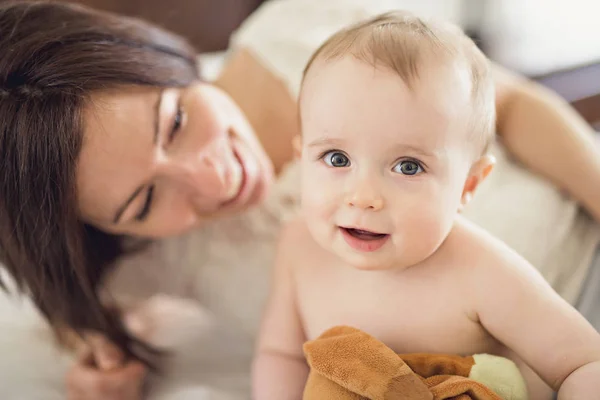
(206, 23)
(579, 86)
(209, 23)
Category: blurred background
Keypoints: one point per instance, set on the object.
(554, 41)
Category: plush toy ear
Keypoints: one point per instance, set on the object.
(479, 171)
(362, 365)
(500, 375)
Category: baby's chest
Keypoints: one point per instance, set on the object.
(407, 318)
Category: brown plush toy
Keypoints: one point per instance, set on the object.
(348, 364)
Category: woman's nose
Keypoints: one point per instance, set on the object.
(364, 195)
(208, 174)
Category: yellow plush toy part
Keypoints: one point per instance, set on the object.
(348, 364)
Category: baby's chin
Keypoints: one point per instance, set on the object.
(371, 261)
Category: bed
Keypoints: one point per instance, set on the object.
(208, 24)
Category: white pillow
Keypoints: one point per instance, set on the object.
(211, 64)
(540, 36)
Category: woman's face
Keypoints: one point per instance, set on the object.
(157, 163)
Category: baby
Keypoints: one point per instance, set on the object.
(396, 116)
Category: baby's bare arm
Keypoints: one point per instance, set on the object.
(279, 369)
(519, 308)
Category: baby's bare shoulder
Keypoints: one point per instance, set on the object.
(475, 250)
(489, 270)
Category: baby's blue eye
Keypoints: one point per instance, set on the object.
(408, 168)
(336, 159)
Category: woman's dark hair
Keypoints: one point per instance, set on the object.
(53, 57)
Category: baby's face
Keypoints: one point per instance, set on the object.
(383, 167)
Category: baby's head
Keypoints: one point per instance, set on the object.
(396, 114)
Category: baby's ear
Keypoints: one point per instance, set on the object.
(479, 171)
(297, 145)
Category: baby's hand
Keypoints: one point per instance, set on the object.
(167, 322)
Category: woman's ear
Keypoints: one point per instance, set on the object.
(479, 171)
(297, 145)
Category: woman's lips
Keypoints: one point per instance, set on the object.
(240, 187)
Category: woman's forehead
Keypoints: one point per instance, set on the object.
(119, 106)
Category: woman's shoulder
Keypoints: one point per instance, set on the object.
(283, 34)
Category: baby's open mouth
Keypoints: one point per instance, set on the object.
(364, 235)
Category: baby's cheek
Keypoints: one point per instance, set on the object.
(317, 215)
(317, 199)
(315, 204)
(422, 231)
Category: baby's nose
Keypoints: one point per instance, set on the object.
(365, 197)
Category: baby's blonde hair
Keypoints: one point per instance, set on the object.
(401, 41)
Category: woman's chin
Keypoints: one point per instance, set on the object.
(262, 188)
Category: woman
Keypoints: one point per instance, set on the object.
(108, 135)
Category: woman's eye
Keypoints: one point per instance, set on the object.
(143, 214)
(336, 159)
(408, 168)
(176, 123)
